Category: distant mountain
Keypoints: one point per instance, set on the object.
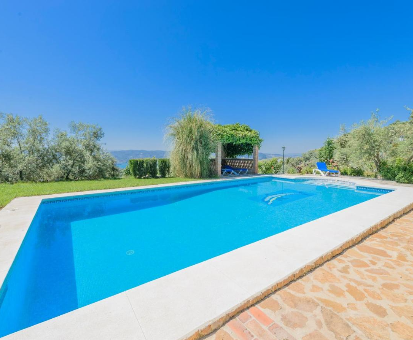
(123, 156)
(263, 155)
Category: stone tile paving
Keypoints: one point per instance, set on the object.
(364, 293)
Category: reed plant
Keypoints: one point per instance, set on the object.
(192, 138)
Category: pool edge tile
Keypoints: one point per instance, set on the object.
(111, 318)
(183, 301)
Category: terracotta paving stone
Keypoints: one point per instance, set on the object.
(297, 287)
(318, 323)
(294, 320)
(244, 317)
(390, 286)
(365, 293)
(402, 330)
(372, 328)
(371, 250)
(377, 309)
(270, 304)
(324, 276)
(378, 271)
(404, 311)
(260, 332)
(373, 294)
(337, 291)
(316, 335)
(222, 335)
(359, 263)
(301, 303)
(280, 332)
(356, 293)
(261, 316)
(335, 306)
(239, 330)
(336, 324)
(316, 288)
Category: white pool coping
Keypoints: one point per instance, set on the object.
(200, 298)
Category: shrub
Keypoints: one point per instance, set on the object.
(164, 166)
(400, 171)
(356, 172)
(349, 171)
(151, 167)
(344, 171)
(137, 167)
(290, 170)
(127, 171)
(307, 170)
(405, 177)
(388, 171)
(269, 166)
(132, 167)
(140, 168)
(370, 174)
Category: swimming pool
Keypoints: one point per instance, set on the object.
(83, 249)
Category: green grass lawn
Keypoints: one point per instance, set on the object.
(10, 191)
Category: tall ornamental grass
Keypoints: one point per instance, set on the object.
(191, 134)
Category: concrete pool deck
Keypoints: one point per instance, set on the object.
(199, 299)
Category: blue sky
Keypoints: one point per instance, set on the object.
(294, 70)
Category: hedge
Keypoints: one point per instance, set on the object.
(164, 166)
(148, 167)
(137, 167)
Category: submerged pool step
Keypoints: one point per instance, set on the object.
(346, 186)
(332, 184)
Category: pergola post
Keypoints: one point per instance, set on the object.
(218, 159)
(255, 159)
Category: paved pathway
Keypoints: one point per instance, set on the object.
(364, 293)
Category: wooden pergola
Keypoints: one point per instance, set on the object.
(237, 162)
(235, 140)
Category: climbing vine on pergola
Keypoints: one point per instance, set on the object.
(237, 139)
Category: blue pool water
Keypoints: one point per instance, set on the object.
(81, 250)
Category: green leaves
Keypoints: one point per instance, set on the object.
(373, 148)
(164, 166)
(237, 139)
(29, 153)
(270, 166)
(149, 167)
(326, 152)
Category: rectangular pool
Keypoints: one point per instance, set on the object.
(81, 249)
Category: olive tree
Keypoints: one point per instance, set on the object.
(404, 138)
(24, 148)
(369, 144)
(79, 154)
(28, 153)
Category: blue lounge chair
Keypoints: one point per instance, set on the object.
(229, 170)
(324, 171)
